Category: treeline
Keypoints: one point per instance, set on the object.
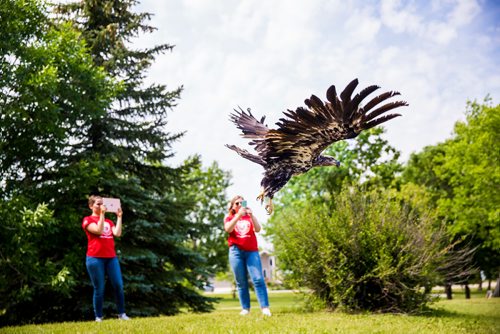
(378, 235)
(76, 118)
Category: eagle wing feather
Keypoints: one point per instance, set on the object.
(306, 132)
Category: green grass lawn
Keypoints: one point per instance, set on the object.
(476, 315)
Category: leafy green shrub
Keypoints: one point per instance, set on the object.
(370, 251)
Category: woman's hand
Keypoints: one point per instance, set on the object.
(244, 211)
(103, 209)
(117, 229)
(256, 224)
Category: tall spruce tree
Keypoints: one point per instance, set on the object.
(50, 91)
(72, 125)
(127, 149)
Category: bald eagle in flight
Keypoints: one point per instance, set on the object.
(296, 145)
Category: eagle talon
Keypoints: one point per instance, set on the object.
(269, 207)
(260, 197)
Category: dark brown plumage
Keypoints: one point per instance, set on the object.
(296, 145)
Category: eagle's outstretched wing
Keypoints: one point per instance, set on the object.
(252, 129)
(302, 136)
(248, 124)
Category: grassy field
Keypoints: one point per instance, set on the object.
(476, 315)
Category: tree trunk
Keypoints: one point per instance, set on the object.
(489, 283)
(467, 291)
(496, 293)
(447, 289)
(480, 287)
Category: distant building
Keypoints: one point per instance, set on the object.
(269, 268)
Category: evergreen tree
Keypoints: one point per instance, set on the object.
(126, 149)
(49, 91)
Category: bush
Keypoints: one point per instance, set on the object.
(365, 251)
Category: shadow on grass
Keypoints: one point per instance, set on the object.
(442, 313)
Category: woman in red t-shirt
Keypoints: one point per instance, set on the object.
(244, 256)
(101, 255)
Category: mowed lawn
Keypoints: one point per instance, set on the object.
(476, 315)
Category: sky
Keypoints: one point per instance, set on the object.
(271, 55)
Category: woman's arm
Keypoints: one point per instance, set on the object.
(229, 226)
(256, 225)
(117, 229)
(99, 227)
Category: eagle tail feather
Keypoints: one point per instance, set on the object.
(247, 155)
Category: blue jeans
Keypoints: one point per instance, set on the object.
(97, 268)
(244, 263)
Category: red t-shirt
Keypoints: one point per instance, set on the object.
(243, 234)
(99, 245)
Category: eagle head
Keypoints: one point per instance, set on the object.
(325, 160)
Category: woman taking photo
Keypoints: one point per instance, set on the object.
(244, 257)
(101, 256)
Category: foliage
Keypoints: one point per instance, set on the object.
(74, 124)
(128, 149)
(369, 250)
(26, 272)
(473, 165)
(49, 90)
(206, 188)
(463, 176)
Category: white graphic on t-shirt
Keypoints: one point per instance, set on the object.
(242, 228)
(106, 232)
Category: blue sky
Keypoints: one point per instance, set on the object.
(271, 55)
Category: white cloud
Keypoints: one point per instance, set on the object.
(363, 26)
(400, 19)
(441, 32)
(464, 12)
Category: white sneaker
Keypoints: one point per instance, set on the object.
(123, 316)
(266, 311)
(244, 312)
(98, 319)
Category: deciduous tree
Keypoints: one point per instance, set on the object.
(206, 189)
(463, 175)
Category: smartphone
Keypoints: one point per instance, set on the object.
(112, 204)
(244, 204)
